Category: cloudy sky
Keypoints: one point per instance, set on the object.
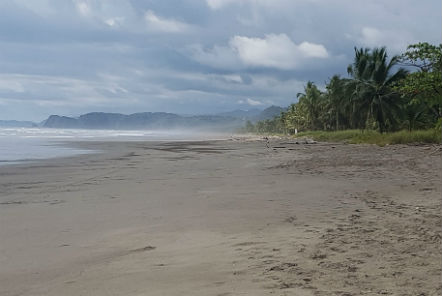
(70, 57)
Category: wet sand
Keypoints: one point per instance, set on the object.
(228, 217)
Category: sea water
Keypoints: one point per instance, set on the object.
(19, 145)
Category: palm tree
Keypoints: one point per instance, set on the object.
(337, 98)
(371, 87)
(311, 100)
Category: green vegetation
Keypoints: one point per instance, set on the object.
(379, 102)
(375, 137)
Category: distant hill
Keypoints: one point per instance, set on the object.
(60, 122)
(16, 123)
(255, 114)
(227, 121)
(269, 113)
(146, 120)
(245, 114)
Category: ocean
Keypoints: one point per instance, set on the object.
(18, 145)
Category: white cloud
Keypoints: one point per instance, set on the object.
(272, 51)
(395, 40)
(250, 102)
(159, 24)
(217, 4)
(114, 21)
(113, 13)
(11, 85)
(276, 51)
(220, 57)
(253, 102)
(82, 7)
(267, 4)
(313, 50)
(233, 78)
(76, 92)
(371, 36)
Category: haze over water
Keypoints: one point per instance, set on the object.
(27, 144)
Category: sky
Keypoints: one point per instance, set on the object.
(70, 57)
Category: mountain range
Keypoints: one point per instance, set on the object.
(227, 121)
(17, 123)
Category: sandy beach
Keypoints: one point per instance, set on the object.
(227, 217)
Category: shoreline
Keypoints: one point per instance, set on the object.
(223, 217)
(48, 143)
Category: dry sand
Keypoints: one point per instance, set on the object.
(224, 218)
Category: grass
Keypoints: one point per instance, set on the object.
(374, 137)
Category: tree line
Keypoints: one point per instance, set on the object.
(380, 93)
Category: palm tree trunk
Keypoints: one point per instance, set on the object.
(337, 120)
